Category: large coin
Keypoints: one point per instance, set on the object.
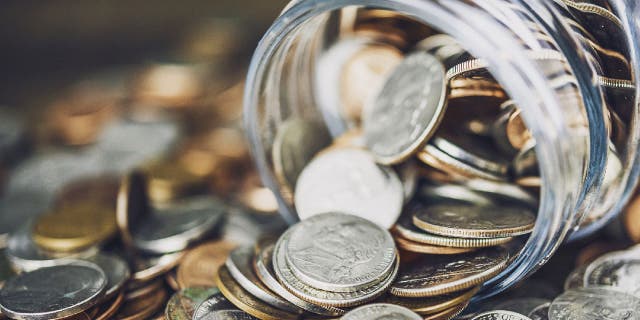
(381, 311)
(213, 303)
(595, 303)
(201, 262)
(182, 305)
(53, 292)
(407, 110)
(436, 275)
(470, 221)
(339, 252)
(500, 315)
(617, 269)
(349, 181)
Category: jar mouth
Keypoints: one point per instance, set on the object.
(563, 163)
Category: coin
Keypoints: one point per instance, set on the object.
(74, 227)
(203, 261)
(417, 247)
(594, 303)
(146, 268)
(620, 270)
(521, 305)
(182, 305)
(295, 144)
(541, 312)
(109, 308)
(349, 180)
(469, 87)
(208, 153)
(321, 252)
(575, 278)
(380, 311)
(470, 221)
(116, 270)
(229, 315)
(214, 302)
(132, 205)
(432, 305)
(77, 287)
(449, 313)
(142, 307)
(407, 110)
(405, 228)
(435, 275)
(168, 180)
(245, 301)
(500, 315)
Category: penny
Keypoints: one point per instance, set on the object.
(521, 305)
(182, 305)
(116, 270)
(168, 180)
(470, 221)
(500, 315)
(296, 143)
(619, 270)
(417, 247)
(108, 309)
(541, 312)
(432, 305)
(53, 292)
(203, 261)
(349, 180)
(214, 302)
(381, 311)
(407, 110)
(435, 275)
(575, 278)
(239, 264)
(142, 307)
(595, 303)
(449, 313)
(245, 301)
(229, 315)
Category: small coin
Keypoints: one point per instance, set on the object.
(595, 303)
(432, 305)
(470, 221)
(349, 180)
(435, 275)
(322, 252)
(575, 278)
(53, 292)
(229, 315)
(407, 110)
(116, 270)
(619, 270)
(381, 311)
(182, 305)
(500, 315)
(521, 305)
(142, 307)
(203, 261)
(540, 312)
(245, 301)
(214, 302)
(417, 247)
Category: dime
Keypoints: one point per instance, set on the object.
(500, 315)
(435, 275)
(53, 292)
(575, 278)
(116, 270)
(381, 311)
(182, 305)
(295, 144)
(339, 252)
(239, 264)
(229, 315)
(405, 228)
(213, 303)
(407, 110)
(201, 262)
(619, 270)
(245, 301)
(595, 303)
(470, 221)
(433, 305)
(418, 247)
(521, 305)
(349, 180)
(541, 312)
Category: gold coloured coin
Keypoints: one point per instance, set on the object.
(168, 180)
(245, 301)
(464, 88)
(418, 247)
(200, 263)
(76, 227)
(433, 305)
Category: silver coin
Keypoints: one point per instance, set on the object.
(435, 193)
(619, 270)
(525, 165)
(408, 174)
(541, 312)
(229, 315)
(349, 181)
(595, 303)
(521, 305)
(240, 267)
(322, 297)
(53, 292)
(116, 270)
(381, 311)
(213, 303)
(575, 278)
(339, 252)
(174, 227)
(471, 152)
(264, 270)
(407, 110)
(500, 315)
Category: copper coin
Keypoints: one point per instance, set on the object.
(140, 308)
(202, 262)
(631, 219)
(108, 309)
(417, 247)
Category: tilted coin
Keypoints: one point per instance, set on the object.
(349, 181)
(381, 311)
(619, 270)
(432, 305)
(408, 230)
(500, 315)
(229, 315)
(417, 247)
(146, 268)
(245, 301)
(435, 275)
(116, 270)
(540, 312)
(339, 252)
(182, 305)
(470, 221)
(448, 313)
(407, 109)
(132, 205)
(521, 305)
(239, 264)
(203, 261)
(575, 279)
(53, 292)
(595, 303)
(213, 303)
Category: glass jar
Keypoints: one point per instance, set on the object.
(586, 155)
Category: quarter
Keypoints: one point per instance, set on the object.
(595, 303)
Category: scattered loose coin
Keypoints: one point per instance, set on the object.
(407, 109)
(182, 305)
(618, 270)
(380, 311)
(433, 305)
(470, 221)
(500, 315)
(201, 262)
(168, 180)
(146, 268)
(594, 303)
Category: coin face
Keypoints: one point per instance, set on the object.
(53, 292)
(500, 315)
(214, 302)
(381, 311)
(349, 181)
(434, 275)
(116, 270)
(201, 262)
(182, 305)
(229, 315)
(470, 221)
(618, 270)
(407, 109)
(540, 312)
(595, 303)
